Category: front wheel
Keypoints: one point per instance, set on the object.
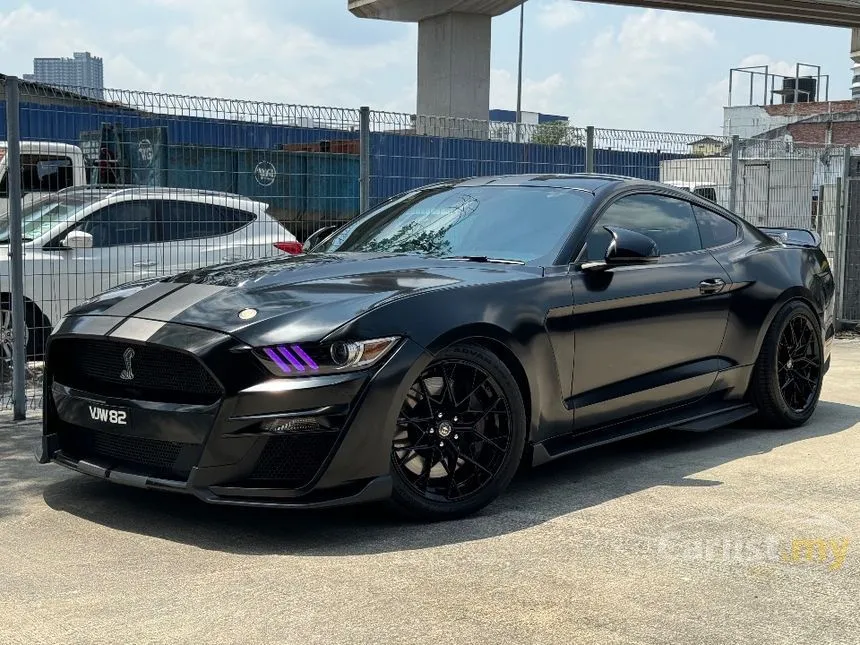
(7, 336)
(460, 435)
(789, 373)
(36, 332)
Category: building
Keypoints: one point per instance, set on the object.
(707, 147)
(855, 70)
(789, 109)
(83, 71)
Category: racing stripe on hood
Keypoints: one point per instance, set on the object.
(161, 301)
(143, 298)
(175, 303)
(136, 329)
(163, 306)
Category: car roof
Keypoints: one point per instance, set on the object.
(591, 182)
(150, 192)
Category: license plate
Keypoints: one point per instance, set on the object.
(109, 415)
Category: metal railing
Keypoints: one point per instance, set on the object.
(141, 185)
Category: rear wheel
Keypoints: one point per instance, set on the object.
(789, 373)
(460, 435)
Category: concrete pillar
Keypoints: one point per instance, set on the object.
(453, 59)
(454, 66)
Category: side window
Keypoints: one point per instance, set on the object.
(45, 173)
(121, 224)
(668, 221)
(192, 220)
(716, 230)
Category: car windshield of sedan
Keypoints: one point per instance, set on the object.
(519, 223)
(42, 215)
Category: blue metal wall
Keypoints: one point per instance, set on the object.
(221, 154)
(404, 162)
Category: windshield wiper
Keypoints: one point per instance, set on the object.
(481, 258)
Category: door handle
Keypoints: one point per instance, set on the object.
(145, 264)
(712, 286)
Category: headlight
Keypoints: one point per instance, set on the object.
(328, 358)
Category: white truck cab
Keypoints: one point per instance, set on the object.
(46, 167)
(707, 190)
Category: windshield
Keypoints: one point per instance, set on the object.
(42, 215)
(502, 222)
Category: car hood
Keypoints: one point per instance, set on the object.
(304, 297)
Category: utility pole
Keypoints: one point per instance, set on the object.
(520, 72)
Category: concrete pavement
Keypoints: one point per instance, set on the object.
(737, 536)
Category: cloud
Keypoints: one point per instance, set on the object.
(222, 48)
(48, 33)
(558, 14)
(540, 95)
(644, 73)
(236, 52)
(44, 31)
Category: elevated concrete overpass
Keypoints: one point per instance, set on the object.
(454, 38)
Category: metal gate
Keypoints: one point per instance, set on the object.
(756, 193)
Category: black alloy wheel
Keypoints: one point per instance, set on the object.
(798, 364)
(459, 437)
(789, 373)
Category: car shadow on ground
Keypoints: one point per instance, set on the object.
(535, 496)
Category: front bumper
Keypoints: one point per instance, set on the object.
(220, 451)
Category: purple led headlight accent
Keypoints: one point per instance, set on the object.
(293, 360)
(271, 353)
(303, 355)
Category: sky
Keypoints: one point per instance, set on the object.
(612, 67)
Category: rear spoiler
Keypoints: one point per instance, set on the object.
(794, 236)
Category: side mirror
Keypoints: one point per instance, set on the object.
(626, 248)
(77, 240)
(630, 247)
(315, 237)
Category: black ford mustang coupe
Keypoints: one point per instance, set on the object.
(422, 351)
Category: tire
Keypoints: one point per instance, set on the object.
(36, 330)
(788, 375)
(463, 415)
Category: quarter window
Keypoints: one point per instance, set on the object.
(716, 230)
(668, 221)
(192, 220)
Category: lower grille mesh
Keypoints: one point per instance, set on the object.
(292, 460)
(169, 459)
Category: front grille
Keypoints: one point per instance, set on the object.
(154, 457)
(159, 373)
(292, 460)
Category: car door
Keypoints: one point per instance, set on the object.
(647, 336)
(123, 249)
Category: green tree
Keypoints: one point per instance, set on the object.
(557, 133)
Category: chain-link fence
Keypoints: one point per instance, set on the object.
(141, 185)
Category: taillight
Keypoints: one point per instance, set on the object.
(293, 248)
